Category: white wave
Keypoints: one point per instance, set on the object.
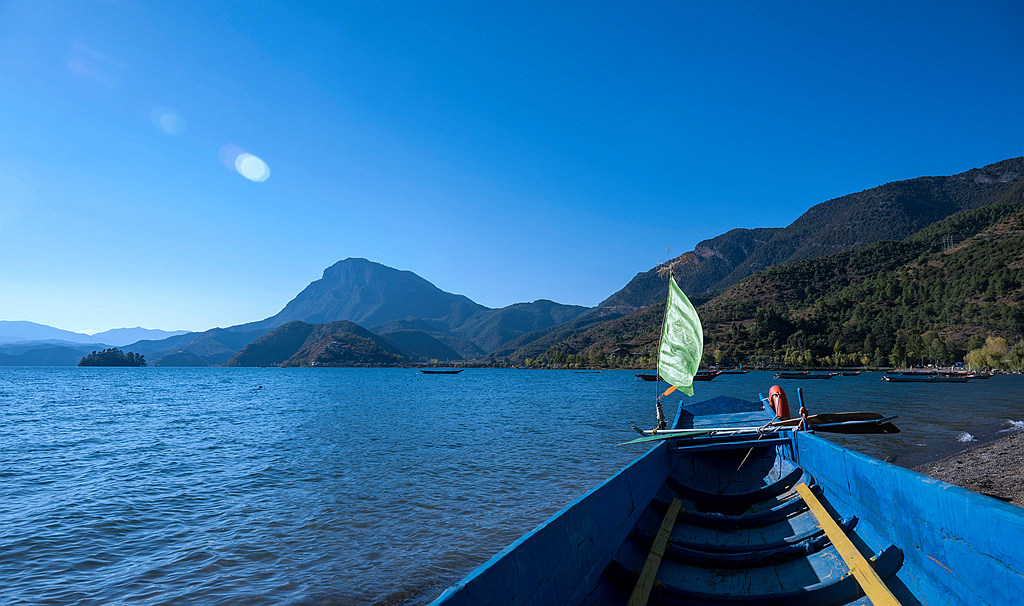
(965, 437)
(1012, 426)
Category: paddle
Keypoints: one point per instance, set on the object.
(866, 426)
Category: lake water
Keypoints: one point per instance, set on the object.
(347, 486)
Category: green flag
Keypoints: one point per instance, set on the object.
(682, 341)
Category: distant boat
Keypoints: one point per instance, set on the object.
(924, 378)
(850, 373)
(702, 375)
(734, 372)
(706, 375)
(438, 371)
(804, 375)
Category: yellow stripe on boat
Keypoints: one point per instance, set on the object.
(869, 580)
(646, 581)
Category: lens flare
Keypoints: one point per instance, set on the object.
(248, 165)
(167, 121)
(252, 168)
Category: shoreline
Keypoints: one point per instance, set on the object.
(994, 469)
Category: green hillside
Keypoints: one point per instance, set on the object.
(339, 343)
(422, 345)
(890, 212)
(347, 348)
(928, 298)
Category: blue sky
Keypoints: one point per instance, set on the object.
(504, 151)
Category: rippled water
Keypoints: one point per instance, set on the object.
(344, 486)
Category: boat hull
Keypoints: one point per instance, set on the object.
(932, 542)
(924, 379)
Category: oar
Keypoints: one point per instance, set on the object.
(883, 425)
(676, 434)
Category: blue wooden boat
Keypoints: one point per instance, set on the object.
(805, 375)
(923, 378)
(763, 519)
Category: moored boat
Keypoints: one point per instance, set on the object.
(924, 378)
(440, 371)
(805, 375)
(702, 375)
(728, 515)
(706, 375)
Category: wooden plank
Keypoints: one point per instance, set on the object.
(642, 591)
(869, 580)
(710, 444)
(717, 432)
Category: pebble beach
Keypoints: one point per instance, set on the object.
(995, 469)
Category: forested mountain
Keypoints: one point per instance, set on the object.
(927, 298)
(213, 347)
(340, 343)
(493, 328)
(421, 345)
(369, 293)
(539, 341)
(888, 212)
(466, 349)
(716, 259)
(930, 298)
(445, 325)
(372, 294)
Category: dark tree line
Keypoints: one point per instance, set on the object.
(113, 357)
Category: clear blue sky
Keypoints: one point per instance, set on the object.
(504, 151)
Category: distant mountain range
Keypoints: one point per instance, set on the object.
(18, 331)
(364, 313)
(30, 344)
(418, 321)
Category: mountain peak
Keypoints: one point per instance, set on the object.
(369, 293)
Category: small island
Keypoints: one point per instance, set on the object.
(113, 357)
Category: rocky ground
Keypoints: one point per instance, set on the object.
(995, 469)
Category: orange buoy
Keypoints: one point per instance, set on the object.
(778, 401)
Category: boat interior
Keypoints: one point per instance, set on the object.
(739, 532)
(745, 536)
(761, 519)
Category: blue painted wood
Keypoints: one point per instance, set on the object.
(937, 544)
(773, 511)
(723, 551)
(713, 444)
(768, 491)
(815, 580)
(561, 558)
(956, 542)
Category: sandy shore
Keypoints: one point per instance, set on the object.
(995, 469)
